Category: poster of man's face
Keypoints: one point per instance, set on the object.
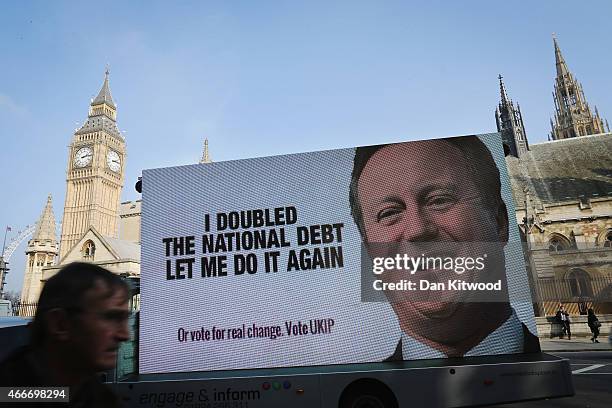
(267, 260)
(436, 199)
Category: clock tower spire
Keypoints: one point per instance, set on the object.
(95, 174)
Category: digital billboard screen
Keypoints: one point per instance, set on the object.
(391, 252)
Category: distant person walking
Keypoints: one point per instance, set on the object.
(564, 319)
(594, 325)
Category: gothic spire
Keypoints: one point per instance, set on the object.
(561, 65)
(45, 227)
(104, 96)
(102, 112)
(205, 155)
(510, 124)
(41, 252)
(573, 115)
(502, 90)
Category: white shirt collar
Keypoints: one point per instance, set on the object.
(506, 339)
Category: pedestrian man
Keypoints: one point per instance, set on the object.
(79, 324)
(563, 318)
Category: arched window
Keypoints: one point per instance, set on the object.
(89, 250)
(608, 240)
(555, 245)
(558, 242)
(580, 283)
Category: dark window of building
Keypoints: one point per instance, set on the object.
(89, 250)
(556, 244)
(580, 283)
(608, 240)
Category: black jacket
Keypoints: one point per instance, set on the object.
(24, 367)
(591, 319)
(531, 344)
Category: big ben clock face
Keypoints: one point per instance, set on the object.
(113, 161)
(83, 157)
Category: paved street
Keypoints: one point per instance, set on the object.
(575, 344)
(592, 377)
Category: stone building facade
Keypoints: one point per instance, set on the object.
(563, 196)
(129, 221)
(562, 191)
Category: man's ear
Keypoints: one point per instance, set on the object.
(58, 324)
(502, 222)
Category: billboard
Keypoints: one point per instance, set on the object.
(391, 252)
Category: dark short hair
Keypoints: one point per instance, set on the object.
(483, 170)
(66, 290)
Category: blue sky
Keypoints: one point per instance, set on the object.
(267, 78)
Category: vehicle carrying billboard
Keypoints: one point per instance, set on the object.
(379, 253)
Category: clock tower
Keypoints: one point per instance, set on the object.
(95, 175)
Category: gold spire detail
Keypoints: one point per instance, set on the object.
(205, 154)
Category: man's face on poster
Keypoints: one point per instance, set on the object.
(418, 193)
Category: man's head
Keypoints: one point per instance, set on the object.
(445, 192)
(83, 309)
(475, 158)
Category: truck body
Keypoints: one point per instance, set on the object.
(462, 382)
